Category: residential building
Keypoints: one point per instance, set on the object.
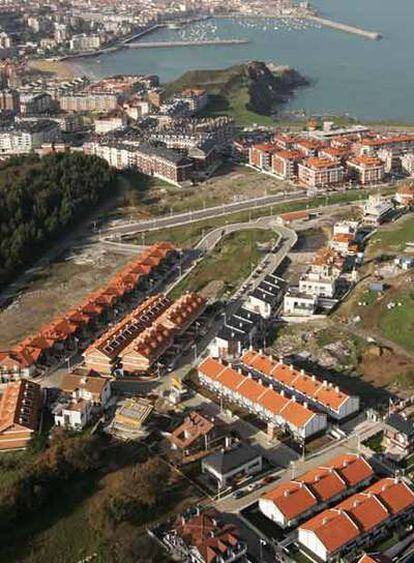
(405, 195)
(104, 354)
(366, 170)
(314, 284)
(260, 156)
(292, 502)
(285, 163)
(85, 42)
(317, 172)
(308, 147)
(72, 413)
(298, 304)
(267, 404)
(194, 434)
(241, 329)
(328, 262)
(360, 520)
(376, 210)
(322, 395)
(34, 104)
(90, 387)
(344, 243)
(114, 121)
(9, 100)
(374, 558)
(24, 137)
(227, 464)
(195, 98)
(202, 537)
(20, 407)
(399, 435)
(89, 101)
(266, 297)
(407, 163)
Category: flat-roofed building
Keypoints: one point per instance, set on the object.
(317, 172)
(366, 169)
(359, 520)
(315, 284)
(299, 304)
(20, 407)
(324, 396)
(289, 503)
(376, 210)
(266, 403)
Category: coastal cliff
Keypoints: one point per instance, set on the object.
(254, 86)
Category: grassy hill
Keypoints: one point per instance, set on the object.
(250, 92)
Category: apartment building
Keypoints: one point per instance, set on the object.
(366, 170)
(317, 172)
(357, 522)
(195, 98)
(9, 100)
(296, 500)
(307, 388)
(308, 147)
(114, 121)
(26, 137)
(405, 195)
(285, 163)
(89, 101)
(272, 407)
(35, 103)
(376, 210)
(20, 407)
(260, 156)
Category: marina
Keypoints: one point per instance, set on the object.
(346, 70)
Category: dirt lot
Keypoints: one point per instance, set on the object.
(56, 288)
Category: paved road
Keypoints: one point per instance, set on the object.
(177, 219)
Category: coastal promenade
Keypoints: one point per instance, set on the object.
(374, 35)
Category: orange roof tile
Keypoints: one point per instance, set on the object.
(292, 499)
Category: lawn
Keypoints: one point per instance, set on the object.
(230, 262)
(393, 238)
(398, 324)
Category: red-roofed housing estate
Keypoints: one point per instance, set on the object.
(320, 394)
(20, 407)
(266, 403)
(357, 522)
(289, 503)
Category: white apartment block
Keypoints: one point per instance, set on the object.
(314, 284)
(320, 172)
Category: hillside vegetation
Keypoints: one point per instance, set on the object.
(249, 92)
(40, 197)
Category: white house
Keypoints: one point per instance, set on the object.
(299, 304)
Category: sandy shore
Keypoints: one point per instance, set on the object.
(61, 69)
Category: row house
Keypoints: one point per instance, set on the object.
(103, 354)
(320, 394)
(357, 522)
(146, 349)
(263, 401)
(366, 170)
(67, 333)
(292, 502)
(317, 172)
(240, 330)
(20, 411)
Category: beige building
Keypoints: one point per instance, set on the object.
(366, 169)
(318, 172)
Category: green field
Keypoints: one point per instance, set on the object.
(393, 238)
(398, 324)
(231, 261)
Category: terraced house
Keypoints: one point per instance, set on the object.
(290, 503)
(264, 401)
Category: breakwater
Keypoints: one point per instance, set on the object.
(374, 35)
(194, 43)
